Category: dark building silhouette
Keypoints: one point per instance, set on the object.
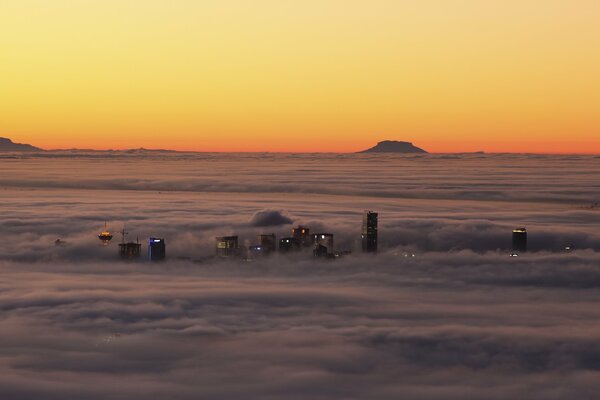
(157, 250)
(519, 239)
(369, 232)
(321, 251)
(130, 250)
(227, 246)
(288, 244)
(302, 235)
(268, 243)
(323, 239)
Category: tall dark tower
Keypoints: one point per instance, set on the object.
(156, 249)
(129, 250)
(302, 235)
(369, 232)
(519, 239)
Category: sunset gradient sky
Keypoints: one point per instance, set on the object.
(302, 75)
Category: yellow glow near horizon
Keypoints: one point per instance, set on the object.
(310, 75)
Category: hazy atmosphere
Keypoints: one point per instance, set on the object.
(285, 199)
(442, 312)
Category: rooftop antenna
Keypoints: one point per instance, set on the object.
(123, 233)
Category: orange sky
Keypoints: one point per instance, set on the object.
(310, 75)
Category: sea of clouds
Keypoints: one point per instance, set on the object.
(459, 319)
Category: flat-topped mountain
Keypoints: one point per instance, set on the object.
(8, 145)
(394, 146)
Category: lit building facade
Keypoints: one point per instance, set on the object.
(227, 246)
(323, 239)
(302, 235)
(519, 239)
(157, 249)
(288, 244)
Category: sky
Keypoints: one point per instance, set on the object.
(301, 76)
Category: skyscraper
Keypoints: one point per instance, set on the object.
(130, 250)
(324, 240)
(369, 232)
(288, 244)
(227, 246)
(519, 239)
(156, 249)
(321, 251)
(302, 235)
(268, 243)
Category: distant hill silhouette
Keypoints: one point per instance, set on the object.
(8, 145)
(394, 146)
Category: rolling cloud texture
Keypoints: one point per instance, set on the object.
(458, 320)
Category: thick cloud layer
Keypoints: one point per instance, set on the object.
(459, 319)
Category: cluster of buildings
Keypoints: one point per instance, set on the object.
(321, 243)
(157, 248)
(229, 246)
(301, 238)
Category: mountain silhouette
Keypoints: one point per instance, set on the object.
(8, 145)
(394, 146)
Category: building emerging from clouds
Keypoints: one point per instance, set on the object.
(519, 239)
(369, 232)
(268, 243)
(227, 246)
(156, 249)
(323, 239)
(288, 244)
(130, 250)
(302, 235)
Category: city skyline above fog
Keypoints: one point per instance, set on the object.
(460, 319)
(299, 199)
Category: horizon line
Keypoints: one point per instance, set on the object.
(314, 152)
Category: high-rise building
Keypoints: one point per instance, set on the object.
(268, 243)
(288, 244)
(156, 249)
(321, 251)
(369, 232)
(130, 250)
(519, 239)
(227, 246)
(323, 239)
(302, 235)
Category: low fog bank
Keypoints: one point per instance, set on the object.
(433, 326)
(569, 179)
(442, 312)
